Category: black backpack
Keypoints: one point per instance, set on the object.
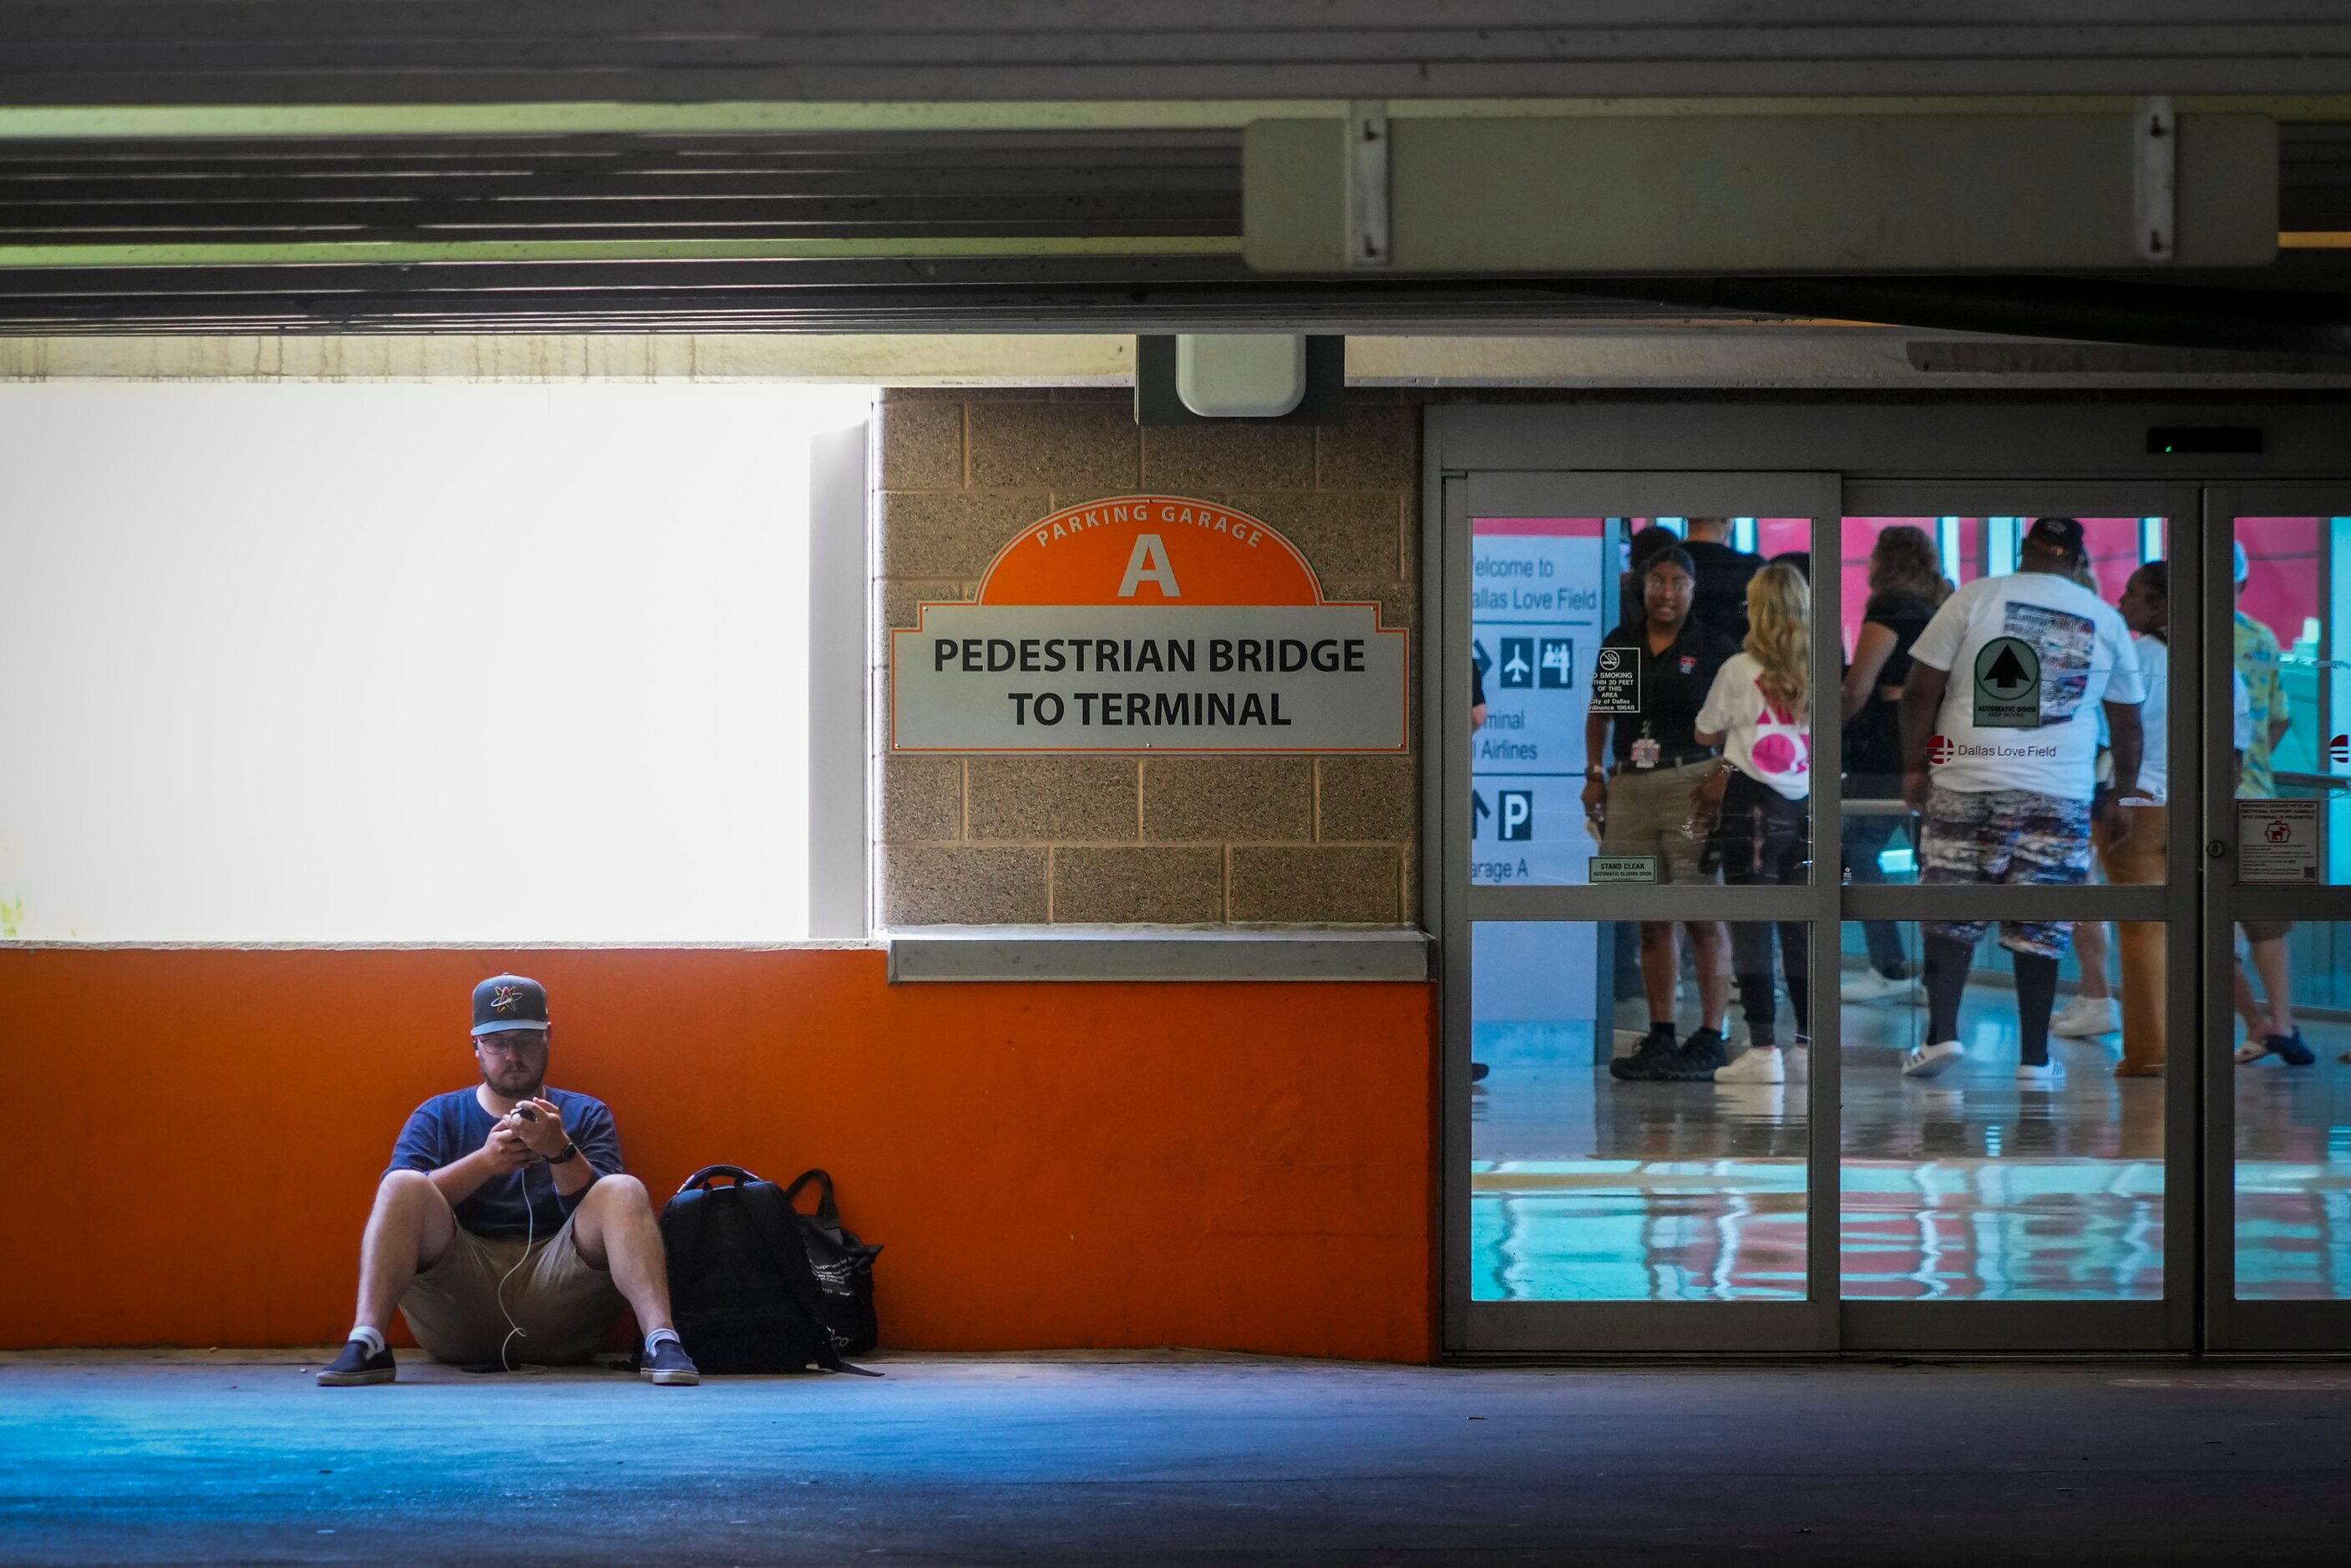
(758, 1286)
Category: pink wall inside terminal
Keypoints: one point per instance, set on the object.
(2112, 542)
(1777, 535)
(2282, 590)
(2282, 585)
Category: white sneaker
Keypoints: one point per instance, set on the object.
(1756, 1065)
(1871, 986)
(1926, 1061)
(2048, 1075)
(2087, 1015)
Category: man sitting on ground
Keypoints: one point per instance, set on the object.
(504, 1229)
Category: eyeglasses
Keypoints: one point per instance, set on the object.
(514, 1048)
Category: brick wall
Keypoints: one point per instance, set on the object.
(1188, 840)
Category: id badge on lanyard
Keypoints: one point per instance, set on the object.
(1645, 750)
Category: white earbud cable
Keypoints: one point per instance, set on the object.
(530, 1238)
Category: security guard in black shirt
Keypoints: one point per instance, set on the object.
(1642, 807)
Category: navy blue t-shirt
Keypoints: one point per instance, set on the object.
(448, 1127)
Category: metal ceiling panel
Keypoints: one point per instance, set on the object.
(466, 51)
(1095, 231)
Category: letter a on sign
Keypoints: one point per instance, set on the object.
(1148, 564)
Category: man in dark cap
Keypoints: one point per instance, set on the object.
(504, 1229)
(2000, 740)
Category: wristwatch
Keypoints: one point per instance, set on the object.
(571, 1152)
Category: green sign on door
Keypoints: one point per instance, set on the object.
(2008, 685)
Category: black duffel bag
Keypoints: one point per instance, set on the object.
(758, 1286)
(842, 1264)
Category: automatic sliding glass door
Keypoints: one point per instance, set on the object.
(1634, 958)
(2005, 980)
(2277, 937)
(1839, 1075)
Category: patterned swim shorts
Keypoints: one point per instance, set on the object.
(2004, 836)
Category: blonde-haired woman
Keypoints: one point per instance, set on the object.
(1758, 803)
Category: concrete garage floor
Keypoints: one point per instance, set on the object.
(1176, 1458)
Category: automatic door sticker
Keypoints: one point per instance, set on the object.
(1615, 681)
(2281, 841)
(1623, 868)
(2008, 685)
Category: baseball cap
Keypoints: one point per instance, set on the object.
(2244, 566)
(506, 1001)
(2058, 535)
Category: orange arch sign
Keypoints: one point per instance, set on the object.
(1139, 550)
(1149, 623)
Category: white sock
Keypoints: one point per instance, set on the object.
(654, 1339)
(370, 1338)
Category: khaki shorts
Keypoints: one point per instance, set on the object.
(561, 1301)
(1647, 813)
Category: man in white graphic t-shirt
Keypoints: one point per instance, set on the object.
(2009, 802)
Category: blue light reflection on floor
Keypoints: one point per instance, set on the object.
(2294, 1174)
(1584, 1189)
(1587, 1189)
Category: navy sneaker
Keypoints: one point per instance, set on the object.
(355, 1367)
(1649, 1059)
(2291, 1047)
(670, 1366)
(1700, 1054)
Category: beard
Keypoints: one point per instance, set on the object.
(515, 1082)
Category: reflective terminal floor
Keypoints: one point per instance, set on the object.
(1965, 1187)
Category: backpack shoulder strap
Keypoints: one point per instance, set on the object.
(762, 1204)
(685, 1250)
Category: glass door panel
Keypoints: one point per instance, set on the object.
(2288, 599)
(1555, 603)
(1893, 572)
(1589, 1186)
(2293, 1113)
(1973, 1184)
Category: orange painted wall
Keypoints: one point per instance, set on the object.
(190, 1138)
